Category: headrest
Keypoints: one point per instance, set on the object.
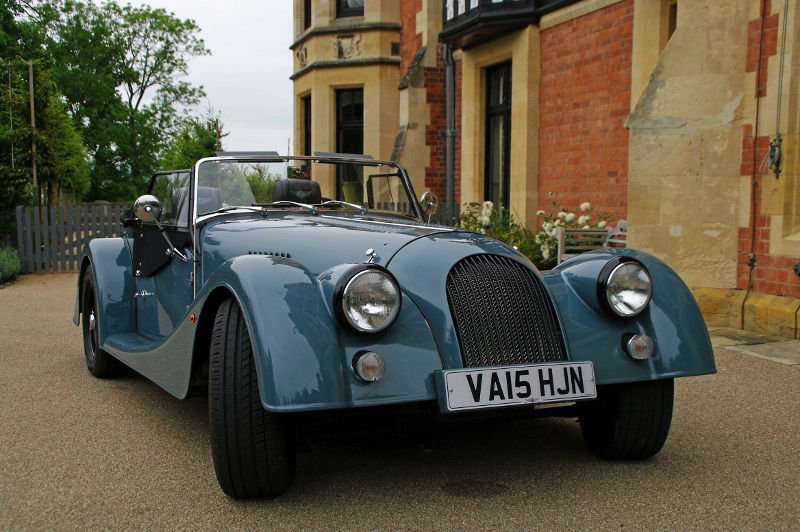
(298, 190)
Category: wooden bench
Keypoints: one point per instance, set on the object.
(573, 242)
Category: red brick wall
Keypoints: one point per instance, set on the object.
(410, 40)
(584, 100)
(773, 274)
(764, 44)
(436, 172)
(434, 83)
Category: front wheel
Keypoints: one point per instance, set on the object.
(628, 421)
(249, 445)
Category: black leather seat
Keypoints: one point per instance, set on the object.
(208, 199)
(297, 190)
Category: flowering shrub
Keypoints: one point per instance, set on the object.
(560, 216)
(539, 247)
(499, 224)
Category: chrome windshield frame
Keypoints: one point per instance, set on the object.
(268, 157)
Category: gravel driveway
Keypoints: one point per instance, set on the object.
(82, 453)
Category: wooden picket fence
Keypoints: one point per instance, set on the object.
(52, 238)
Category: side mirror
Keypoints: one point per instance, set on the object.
(429, 203)
(146, 208)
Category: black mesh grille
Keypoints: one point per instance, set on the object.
(502, 313)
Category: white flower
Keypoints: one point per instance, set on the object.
(488, 205)
(601, 224)
(570, 216)
(545, 253)
(585, 227)
(540, 213)
(485, 221)
(547, 226)
(583, 220)
(558, 223)
(551, 232)
(562, 215)
(586, 206)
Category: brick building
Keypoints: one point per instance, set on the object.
(660, 112)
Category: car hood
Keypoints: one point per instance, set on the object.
(316, 242)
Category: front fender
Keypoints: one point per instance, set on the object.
(303, 357)
(672, 319)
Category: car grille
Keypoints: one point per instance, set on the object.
(502, 313)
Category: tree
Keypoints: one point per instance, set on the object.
(119, 70)
(22, 29)
(60, 156)
(195, 138)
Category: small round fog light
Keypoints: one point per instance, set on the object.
(639, 346)
(369, 366)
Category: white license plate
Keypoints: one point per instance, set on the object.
(468, 389)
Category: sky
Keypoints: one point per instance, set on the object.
(246, 77)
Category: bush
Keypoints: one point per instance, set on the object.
(9, 262)
(539, 247)
(500, 224)
(545, 238)
(261, 183)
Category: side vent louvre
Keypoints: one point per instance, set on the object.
(270, 254)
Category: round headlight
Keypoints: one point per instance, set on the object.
(369, 300)
(625, 287)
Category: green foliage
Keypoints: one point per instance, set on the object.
(60, 156)
(118, 68)
(539, 247)
(261, 183)
(500, 224)
(9, 262)
(560, 216)
(196, 137)
(23, 29)
(107, 98)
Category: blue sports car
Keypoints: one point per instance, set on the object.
(295, 287)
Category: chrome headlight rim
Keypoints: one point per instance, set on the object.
(346, 282)
(605, 279)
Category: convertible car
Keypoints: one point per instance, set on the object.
(300, 288)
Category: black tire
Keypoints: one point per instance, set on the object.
(628, 421)
(100, 363)
(249, 445)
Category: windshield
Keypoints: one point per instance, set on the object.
(226, 183)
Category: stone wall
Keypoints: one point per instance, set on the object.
(685, 145)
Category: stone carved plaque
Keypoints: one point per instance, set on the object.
(345, 46)
(302, 55)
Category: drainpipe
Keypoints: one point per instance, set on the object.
(450, 132)
(751, 259)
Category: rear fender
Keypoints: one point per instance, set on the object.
(114, 288)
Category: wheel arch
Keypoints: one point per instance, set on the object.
(205, 325)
